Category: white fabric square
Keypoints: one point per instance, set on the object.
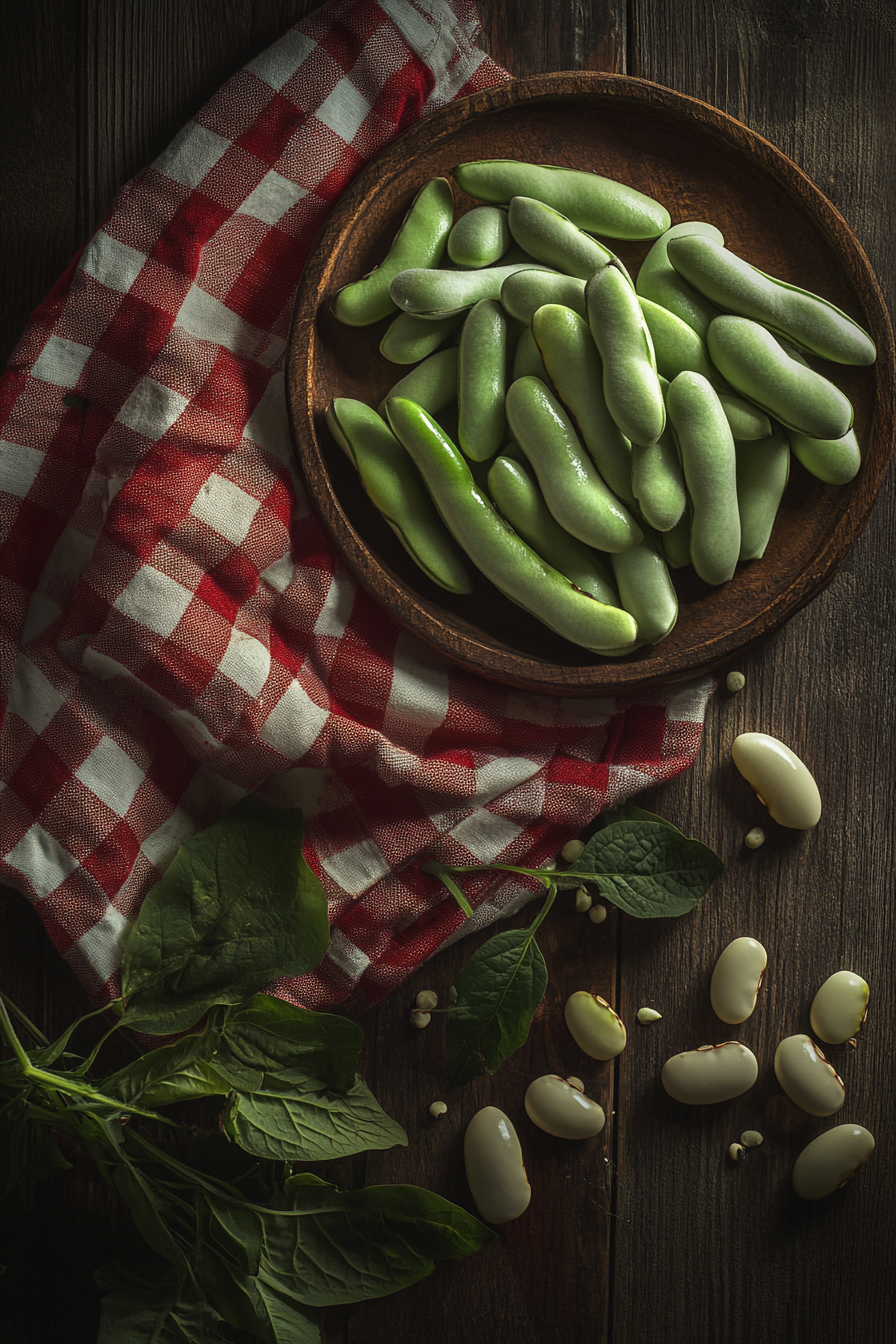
(154, 600)
(111, 262)
(271, 199)
(32, 697)
(247, 662)
(19, 466)
(280, 574)
(42, 858)
(268, 425)
(485, 835)
(294, 723)
(192, 154)
(344, 111)
(356, 868)
(346, 956)
(225, 508)
(110, 773)
(419, 694)
(500, 774)
(280, 62)
(208, 319)
(152, 409)
(61, 361)
(336, 610)
(102, 947)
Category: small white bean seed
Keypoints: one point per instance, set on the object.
(737, 1152)
(838, 1009)
(710, 1073)
(496, 1173)
(420, 1019)
(597, 914)
(576, 1083)
(751, 1138)
(583, 900)
(594, 1026)
(779, 778)
(646, 1015)
(426, 999)
(452, 994)
(736, 979)
(735, 681)
(562, 1110)
(755, 839)
(807, 1077)
(437, 1108)
(830, 1159)
(572, 850)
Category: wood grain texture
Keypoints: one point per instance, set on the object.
(648, 1234)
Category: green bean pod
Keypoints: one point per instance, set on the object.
(575, 371)
(658, 481)
(811, 322)
(646, 590)
(707, 454)
(482, 380)
(553, 239)
(526, 291)
(480, 237)
(834, 461)
(763, 468)
(420, 242)
(596, 204)
(438, 293)
(496, 550)
(527, 360)
(432, 383)
(745, 419)
(756, 366)
(630, 379)
(659, 281)
(573, 489)
(676, 543)
(517, 495)
(408, 339)
(395, 488)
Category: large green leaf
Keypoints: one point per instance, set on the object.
(309, 1123)
(648, 869)
(268, 1037)
(136, 1312)
(498, 991)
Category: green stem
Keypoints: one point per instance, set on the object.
(24, 1019)
(9, 1032)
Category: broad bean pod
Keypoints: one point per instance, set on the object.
(527, 360)
(596, 204)
(730, 282)
(659, 281)
(553, 239)
(707, 454)
(439, 293)
(523, 293)
(630, 379)
(763, 469)
(480, 237)
(420, 242)
(432, 383)
(408, 339)
(496, 550)
(834, 461)
(482, 380)
(646, 589)
(658, 479)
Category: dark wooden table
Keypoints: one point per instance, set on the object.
(648, 1234)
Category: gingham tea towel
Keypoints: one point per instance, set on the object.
(176, 631)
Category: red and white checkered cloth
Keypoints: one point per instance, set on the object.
(176, 631)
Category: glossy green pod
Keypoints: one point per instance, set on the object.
(676, 543)
(706, 447)
(811, 322)
(440, 292)
(517, 495)
(658, 481)
(408, 339)
(573, 489)
(763, 468)
(596, 204)
(526, 291)
(396, 490)
(659, 281)
(420, 241)
(630, 379)
(482, 380)
(496, 550)
(834, 461)
(746, 420)
(552, 238)
(432, 383)
(480, 237)
(758, 367)
(646, 590)
(527, 360)
(576, 373)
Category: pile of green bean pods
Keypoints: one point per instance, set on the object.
(571, 433)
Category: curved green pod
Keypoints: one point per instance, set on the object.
(834, 461)
(630, 378)
(658, 482)
(576, 374)
(706, 447)
(811, 322)
(420, 241)
(573, 489)
(440, 292)
(396, 489)
(659, 281)
(756, 365)
(527, 360)
(526, 291)
(408, 339)
(745, 419)
(646, 590)
(432, 383)
(496, 550)
(480, 237)
(676, 543)
(763, 469)
(482, 380)
(596, 204)
(552, 238)
(517, 496)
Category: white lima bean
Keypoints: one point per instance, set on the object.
(711, 1073)
(830, 1160)
(779, 778)
(594, 1026)
(807, 1077)
(496, 1173)
(559, 1108)
(736, 979)
(838, 1009)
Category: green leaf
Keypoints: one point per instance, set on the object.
(631, 812)
(137, 1312)
(250, 1304)
(269, 1037)
(149, 1212)
(237, 908)
(177, 1072)
(498, 991)
(648, 869)
(309, 1123)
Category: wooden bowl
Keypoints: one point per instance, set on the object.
(702, 164)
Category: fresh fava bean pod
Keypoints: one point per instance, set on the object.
(646, 589)
(438, 293)
(760, 369)
(676, 542)
(495, 549)
(520, 501)
(708, 460)
(482, 381)
(551, 238)
(736, 979)
(420, 242)
(658, 479)
(408, 339)
(834, 461)
(594, 1026)
(496, 1173)
(631, 382)
(524, 292)
(659, 281)
(480, 237)
(527, 360)
(762, 472)
(838, 1009)
(710, 1074)
(779, 778)
(830, 1160)
(807, 1077)
(596, 204)
(574, 368)
(432, 383)
(572, 487)
(562, 1110)
(735, 286)
(745, 420)
(396, 489)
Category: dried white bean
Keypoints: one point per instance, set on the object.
(755, 839)
(735, 681)
(646, 1015)
(736, 979)
(737, 1152)
(572, 850)
(597, 914)
(494, 1164)
(561, 1109)
(437, 1108)
(781, 780)
(595, 1027)
(751, 1138)
(583, 900)
(420, 1019)
(830, 1159)
(426, 999)
(838, 1009)
(807, 1077)
(710, 1073)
